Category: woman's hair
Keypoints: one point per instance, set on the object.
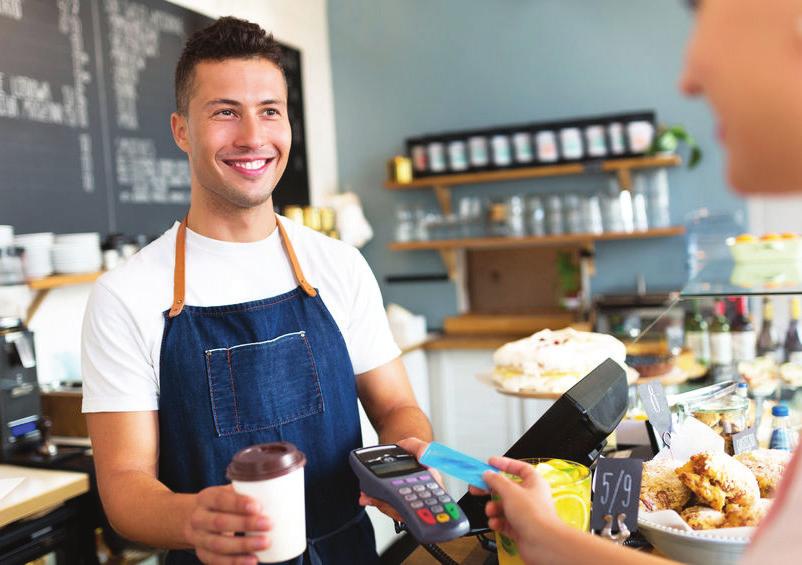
(227, 38)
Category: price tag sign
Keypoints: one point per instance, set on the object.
(744, 441)
(616, 491)
(653, 398)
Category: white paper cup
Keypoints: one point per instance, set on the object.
(273, 475)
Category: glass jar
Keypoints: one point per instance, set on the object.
(457, 155)
(726, 416)
(11, 271)
(502, 154)
(497, 219)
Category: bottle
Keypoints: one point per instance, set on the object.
(782, 436)
(720, 341)
(793, 345)
(743, 332)
(742, 390)
(767, 339)
(697, 335)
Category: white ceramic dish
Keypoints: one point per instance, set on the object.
(694, 547)
(43, 238)
(89, 238)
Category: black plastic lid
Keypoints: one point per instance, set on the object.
(265, 461)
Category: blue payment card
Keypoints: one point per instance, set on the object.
(456, 464)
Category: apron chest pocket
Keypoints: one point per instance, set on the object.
(262, 385)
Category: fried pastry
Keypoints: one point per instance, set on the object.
(768, 466)
(703, 517)
(738, 516)
(660, 487)
(719, 480)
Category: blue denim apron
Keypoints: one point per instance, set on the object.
(275, 369)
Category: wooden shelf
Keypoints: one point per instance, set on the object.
(56, 281)
(44, 285)
(531, 241)
(621, 166)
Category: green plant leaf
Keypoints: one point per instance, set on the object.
(668, 139)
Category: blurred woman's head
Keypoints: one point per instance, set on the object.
(745, 58)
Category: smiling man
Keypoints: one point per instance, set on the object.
(234, 328)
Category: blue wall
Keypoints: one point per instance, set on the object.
(406, 67)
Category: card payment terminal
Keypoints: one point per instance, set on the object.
(389, 473)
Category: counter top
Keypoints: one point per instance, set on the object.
(466, 551)
(40, 490)
(440, 342)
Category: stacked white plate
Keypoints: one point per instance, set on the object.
(37, 261)
(6, 236)
(77, 253)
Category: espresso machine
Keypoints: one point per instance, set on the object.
(20, 402)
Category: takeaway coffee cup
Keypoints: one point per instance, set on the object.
(273, 475)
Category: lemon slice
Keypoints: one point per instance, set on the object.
(555, 477)
(573, 510)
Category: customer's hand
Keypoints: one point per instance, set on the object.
(218, 513)
(411, 445)
(525, 511)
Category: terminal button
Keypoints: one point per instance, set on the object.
(452, 509)
(426, 516)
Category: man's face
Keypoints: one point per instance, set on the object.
(745, 57)
(236, 132)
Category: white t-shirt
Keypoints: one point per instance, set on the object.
(123, 323)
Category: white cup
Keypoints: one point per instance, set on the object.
(273, 475)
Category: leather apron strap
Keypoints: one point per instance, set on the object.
(296, 266)
(179, 275)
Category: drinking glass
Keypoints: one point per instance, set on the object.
(516, 216)
(573, 214)
(570, 491)
(554, 215)
(592, 215)
(536, 216)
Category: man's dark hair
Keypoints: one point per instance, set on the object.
(227, 38)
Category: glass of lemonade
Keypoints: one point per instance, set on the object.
(570, 491)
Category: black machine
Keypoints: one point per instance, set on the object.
(20, 401)
(389, 473)
(575, 428)
(24, 432)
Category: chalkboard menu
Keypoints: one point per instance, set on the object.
(86, 93)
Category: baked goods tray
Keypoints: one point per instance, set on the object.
(685, 368)
(487, 379)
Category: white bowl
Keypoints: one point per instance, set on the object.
(694, 547)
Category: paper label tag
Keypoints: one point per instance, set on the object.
(744, 441)
(653, 398)
(616, 491)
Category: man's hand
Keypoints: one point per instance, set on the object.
(411, 445)
(218, 513)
